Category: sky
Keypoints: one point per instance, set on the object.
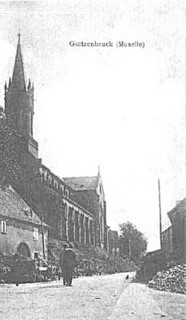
(122, 109)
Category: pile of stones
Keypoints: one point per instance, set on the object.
(172, 280)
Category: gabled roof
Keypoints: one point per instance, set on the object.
(82, 183)
(179, 204)
(179, 208)
(13, 206)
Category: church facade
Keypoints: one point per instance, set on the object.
(75, 207)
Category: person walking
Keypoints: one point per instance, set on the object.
(64, 275)
(69, 263)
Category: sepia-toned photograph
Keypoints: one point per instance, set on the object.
(93, 160)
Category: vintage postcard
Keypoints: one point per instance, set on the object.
(92, 159)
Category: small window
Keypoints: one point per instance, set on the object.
(67, 193)
(55, 184)
(61, 188)
(36, 234)
(36, 255)
(3, 226)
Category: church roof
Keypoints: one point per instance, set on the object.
(13, 206)
(18, 78)
(82, 183)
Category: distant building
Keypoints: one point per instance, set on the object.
(177, 217)
(74, 208)
(21, 230)
(89, 193)
(174, 237)
(69, 220)
(167, 240)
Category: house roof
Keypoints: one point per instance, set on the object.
(179, 205)
(82, 183)
(178, 210)
(13, 206)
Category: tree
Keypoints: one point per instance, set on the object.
(132, 242)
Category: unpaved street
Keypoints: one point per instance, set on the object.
(99, 297)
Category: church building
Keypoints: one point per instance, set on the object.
(73, 207)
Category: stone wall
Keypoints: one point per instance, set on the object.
(18, 232)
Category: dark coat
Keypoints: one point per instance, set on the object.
(62, 258)
(69, 259)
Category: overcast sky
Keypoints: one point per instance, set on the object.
(120, 108)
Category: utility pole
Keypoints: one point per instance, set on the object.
(160, 215)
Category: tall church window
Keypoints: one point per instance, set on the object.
(55, 184)
(3, 226)
(36, 234)
(42, 177)
(100, 189)
(50, 179)
(45, 175)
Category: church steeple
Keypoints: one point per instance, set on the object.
(19, 100)
(18, 78)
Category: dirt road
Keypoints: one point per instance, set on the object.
(99, 297)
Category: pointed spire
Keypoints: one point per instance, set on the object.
(18, 78)
(19, 37)
(98, 170)
(98, 175)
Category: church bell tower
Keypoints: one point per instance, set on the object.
(19, 102)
